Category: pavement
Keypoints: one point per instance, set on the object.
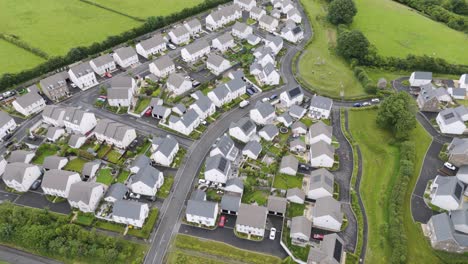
(11, 255)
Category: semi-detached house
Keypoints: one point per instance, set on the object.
(58, 182)
(193, 26)
(201, 212)
(217, 64)
(82, 75)
(162, 67)
(55, 87)
(114, 133)
(179, 35)
(164, 150)
(178, 83)
(223, 42)
(222, 16)
(125, 57)
(29, 104)
(151, 46)
(268, 23)
(85, 196)
(195, 51)
(102, 64)
(246, 5)
(241, 30)
(78, 121)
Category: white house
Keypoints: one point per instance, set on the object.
(85, 195)
(292, 34)
(301, 228)
(217, 169)
(58, 182)
(252, 149)
(237, 87)
(116, 192)
(29, 104)
(220, 95)
(289, 165)
(263, 113)
(320, 184)
(243, 130)
(151, 46)
(320, 107)
(186, 123)
(420, 78)
(299, 128)
(294, 15)
(78, 121)
(297, 112)
(164, 150)
(256, 13)
(76, 141)
(274, 42)
(162, 67)
(147, 181)
(89, 169)
(22, 156)
(7, 124)
(251, 220)
(201, 212)
(223, 42)
(234, 185)
(225, 147)
(327, 214)
(125, 57)
(179, 35)
(204, 107)
(297, 145)
(217, 64)
(463, 82)
(268, 75)
(121, 91)
(160, 112)
(447, 192)
(292, 96)
(452, 120)
(322, 154)
(54, 162)
(241, 30)
(269, 132)
(102, 64)
(130, 213)
(20, 176)
(320, 132)
(268, 23)
(178, 83)
(222, 16)
(246, 4)
(53, 115)
(114, 133)
(54, 133)
(195, 51)
(193, 26)
(3, 164)
(82, 75)
(295, 195)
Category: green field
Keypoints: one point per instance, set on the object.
(397, 30)
(319, 66)
(22, 59)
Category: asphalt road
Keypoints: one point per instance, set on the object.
(15, 256)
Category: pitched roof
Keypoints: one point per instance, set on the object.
(320, 128)
(57, 179)
(267, 19)
(103, 60)
(74, 115)
(300, 224)
(215, 59)
(298, 124)
(112, 129)
(295, 192)
(224, 144)
(81, 191)
(224, 38)
(286, 118)
(19, 156)
(230, 202)
(117, 191)
(54, 81)
(277, 204)
(28, 99)
(15, 171)
(321, 102)
(166, 145)
(141, 161)
(321, 148)
(204, 103)
(245, 124)
(265, 109)
(4, 118)
(163, 62)
(254, 147)
(252, 216)
(189, 117)
(218, 163)
(297, 143)
(121, 82)
(459, 219)
(52, 131)
(152, 42)
(125, 52)
(74, 139)
(128, 209)
(53, 112)
(198, 195)
(289, 161)
(239, 26)
(321, 178)
(52, 162)
(277, 41)
(197, 46)
(271, 130)
(423, 75)
(330, 250)
(88, 167)
(297, 110)
(176, 80)
(449, 186)
(201, 208)
(327, 206)
(147, 175)
(235, 182)
(179, 31)
(81, 69)
(193, 23)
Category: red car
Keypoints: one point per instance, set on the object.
(108, 75)
(148, 112)
(222, 220)
(318, 236)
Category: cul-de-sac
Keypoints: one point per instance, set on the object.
(233, 131)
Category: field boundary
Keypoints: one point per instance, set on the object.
(24, 45)
(113, 11)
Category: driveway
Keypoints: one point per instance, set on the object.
(38, 200)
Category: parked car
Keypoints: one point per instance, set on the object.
(273, 97)
(134, 195)
(449, 166)
(36, 184)
(108, 75)
(357, 105)
(222, 221)
(250, 92)
(201, 181)
(318, 236)
(304, 167)
(244, 104)
(195, 83)
(365, 104)
(171, 46)
(73, 85)
(148, 112)
(266, 99)
(375, 100)
(272, 233)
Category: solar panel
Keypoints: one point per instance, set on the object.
(295, 92)
(328, 181)
(222, 164)
(337, 251)
(458, 190)
(246, 126)
(449, 115)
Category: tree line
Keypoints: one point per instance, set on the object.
(8, 80)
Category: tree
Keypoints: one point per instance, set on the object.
(341, 12)
(352, 45)
(396, 113)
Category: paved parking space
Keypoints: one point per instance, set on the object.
(38, 200)
(6, 196)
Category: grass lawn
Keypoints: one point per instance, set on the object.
(184, 257)
(397, 30)
(104, 176)
(110, 226)
(166, 187)
(75, 164)
(114, 157)
(318, 65)
(295, 209)
(147, 227)
(142, 104)
(22, 59)
(103, 150)
(376, 74)
(84, 219)
(44, 151)
(463, 102)
(284, 181)
(222, 251)
(252, 196)
(123, 176)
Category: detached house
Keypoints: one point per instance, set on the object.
(130, 213)
(292, 34)
(289, 165)
(431, 99)
(200, 211)
(295, 195)
(420, 78)
(223, 42)
(114, 133)
(55, 87)
(269, 132)
(234, 185)
(162, 67)
(256, 13)
(322, 154)
(320, 132)
(294, 15)
(125, 57)
(320, 107)
(22, 156)
(292, 97)
(29, 104)
(53, 115)
(297, 111)
(225, 147)
(102, 64)
(458, 152)
(178, 84)
(301, 228)
(7, 124)
(217, 169)
(447, 233)
(447, 192)
(76, 141)
(268, 75)
(54, 133)
(222, 16)
(241, 30)
(179, 35)
(220, 95)
(330, 251)
(452, 120)
(54, 162)
(195, 51)
(151, 46)
(274, 42)
(243, 130)
(251, 220)
(186, 123)
(121, 92)
(78, 121)
(268, 23)
(246, 5)
(116, 192)
(20, 176)
(327, 214)
(252, 149)
(463, 82)
(204, 107)
(320, 184)
(299, 128)
(58, 182)
(193, 26)
(253, 39)
(263, 113)
(164, 150)
(89, 169)
(82, 75)
(147, 181)
(85, 196)
(217, 64)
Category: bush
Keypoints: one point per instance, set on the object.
(341, 12)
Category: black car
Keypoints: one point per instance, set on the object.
(357, 105)
(36, 184)
(249, 91)
(273, 97)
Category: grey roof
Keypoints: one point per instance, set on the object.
(53, 111)
(197, 46)
(327, 206)
(245, 124)
(270, 130)
(321, 178)
(163, 62)
(204, 103)
(321, 102)
(117, 93)
(74, 139)
(193, 23)
(296, 192)
(198, 195)
(235, 84)
(117, 191)
(179, 31)
(443, 228)
(4, 118)
(265, 109)
(128, 209)
(252, 38)
(18, 156)
(141, 161)
(256, 10)
(88, 167)
(236, 182)
(460, 219)
(267, 19)
(57, 179)
(218, 163)
(330, 250)
(122, 82)
(459, 91)
(277, 204)
(224, 38)
(147, 175)
(15, 171)
(112, 129)
(268, 69)
(215, 59)
(201, 208)
(287, 118)
(449, 186)
(230, 202)
(297, 142)
(81, 191)
(320, 128)
(73, 115)
(152, 42)
(289, 161)
(52, 162)
(221, 91)
(298, 124)
(81, 69)
(320, 147)
(28, 99)
(125, 52)
(449, 116)
(166, 145)
(180, 107)
(176, 79)
(254, 147)
(459, 146)
(156, 101)
(252, 216)
(277, 41)
(160, 110)
(300, 224)
(225, 144)
(296, 110)
(238, 74)
(103, 60)
(224, 11)
(423, 75)
(54, 81)
(52, 130)
(239, 26)
(189, 117)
